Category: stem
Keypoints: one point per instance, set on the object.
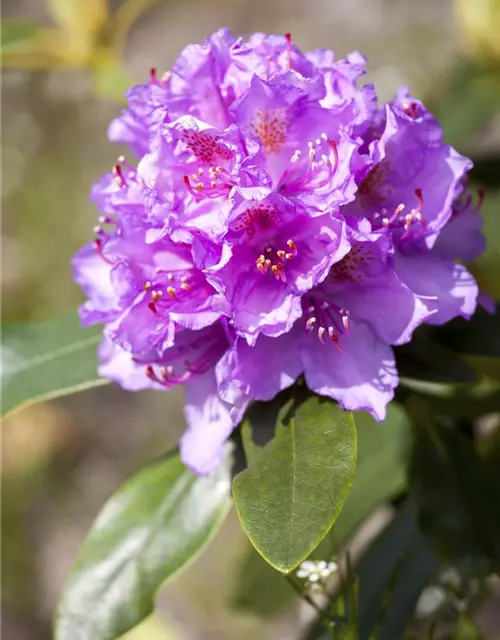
(305, 596)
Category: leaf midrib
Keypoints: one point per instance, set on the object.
(27, 364)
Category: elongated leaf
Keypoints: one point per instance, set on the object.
(156, 524)
(456, 493)
(47, 360)
(413, 575)
(380, 474)
(377, 568)
(293, 490)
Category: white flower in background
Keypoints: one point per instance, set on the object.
(316, 571)
(431, 599)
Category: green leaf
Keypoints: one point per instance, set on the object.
(456, 493)
(48, 359)
(25, 45)
(17, 35)
(380, 475)
(152, 527)
(292, 492)
(413, 575)
(377, 568)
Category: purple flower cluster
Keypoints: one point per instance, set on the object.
(278, 222)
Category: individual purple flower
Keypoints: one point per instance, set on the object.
(142, 291)
(275, 251)
(276, 215)
(408, 168)
(341, 340)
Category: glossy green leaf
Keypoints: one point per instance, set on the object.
(152, 527)
(293, 490)
(48, 359)
(380, 474)
(456, 493)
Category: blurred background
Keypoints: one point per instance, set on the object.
(66, 64)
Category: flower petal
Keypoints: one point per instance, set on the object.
(429, 275)
(361, 376)
(210, 422)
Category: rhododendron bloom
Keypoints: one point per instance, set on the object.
(275, 223)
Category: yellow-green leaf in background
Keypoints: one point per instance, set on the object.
(25, 45)
(80, 23)
(79, 16)
(479, 22)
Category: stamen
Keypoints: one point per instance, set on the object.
(279, 271)
(99, 250)
(171, 292)
(310, 324)
(334, 148)
(330, 319)
(152, 75)
(264, 263)
(418, 193)
(411, 109)
(118, 173)
(288, 38)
